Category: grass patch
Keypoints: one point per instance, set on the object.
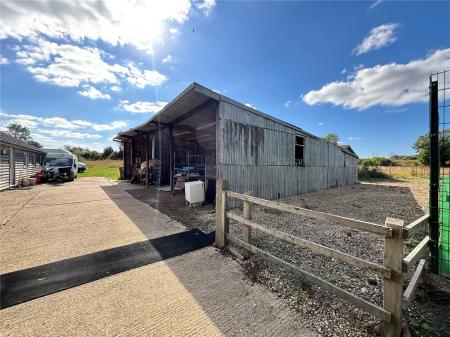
(107, 168)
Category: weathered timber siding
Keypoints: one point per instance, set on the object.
(4, 167)
(257, 156)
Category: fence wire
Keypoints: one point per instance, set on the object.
(443, 85)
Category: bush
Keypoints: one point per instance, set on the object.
(367, 171)
(377, 161)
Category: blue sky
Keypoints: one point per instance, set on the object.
(78, 72)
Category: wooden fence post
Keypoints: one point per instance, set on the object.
(221, 209)
(247, 230)
(393, 287)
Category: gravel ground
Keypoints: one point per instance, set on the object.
(326, 314)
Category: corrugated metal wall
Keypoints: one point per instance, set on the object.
(257, 155)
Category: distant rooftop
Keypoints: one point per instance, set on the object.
(6, 138)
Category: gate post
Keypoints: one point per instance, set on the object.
(434, 178)
(393, 287)
(221, 209)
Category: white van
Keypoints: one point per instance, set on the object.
(60, 165)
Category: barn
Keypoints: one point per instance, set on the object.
(18, 160)
(212, 137)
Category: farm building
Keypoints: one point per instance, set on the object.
(18, 160)
(214, 137)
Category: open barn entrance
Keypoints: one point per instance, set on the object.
(194, 150)
(177, 146)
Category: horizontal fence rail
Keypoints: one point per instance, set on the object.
(392, 270)
(416, 254)
(415, 226)
(352, 260)
(339, 292)
(356, 224)
(408, 295)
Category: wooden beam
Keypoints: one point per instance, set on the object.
(408, 295)
(414, 226)
(339, 292)
(357, 224)
(147, 145)
(171, 161)
(416, 254)
(319, 249)
(393, 286)
(133, 155)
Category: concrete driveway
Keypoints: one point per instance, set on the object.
(201, 293)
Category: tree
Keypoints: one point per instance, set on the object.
(107, 152)
(34, 143)
(331, 138)
(18, 131)
(422, 148)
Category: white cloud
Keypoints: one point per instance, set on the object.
(354, 138)
(69, 134)
(387, 85)
(116, 88)
(379, 37)
(58, 122)
(206, 6)
(320, 123)
(220, 92)
(375, 3)
(93, 93)
(137, 23)
(167, 59)
(287, 104)
(142, 79)
(71, 66)
(142, 107)
(111, 126)
(174, 31)
(250, 105)
(3, 60)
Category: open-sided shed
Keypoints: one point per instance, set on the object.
(256, 153)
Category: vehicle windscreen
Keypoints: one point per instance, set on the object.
(58, 161)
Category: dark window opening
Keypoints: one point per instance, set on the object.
(299, 151)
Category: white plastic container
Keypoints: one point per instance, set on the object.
(194, 192)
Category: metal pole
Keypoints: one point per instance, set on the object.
(434, 178)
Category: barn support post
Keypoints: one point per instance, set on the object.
(133, 155)
(393, 286)
(124, 158)
(12, 171)
(147, 144)
(434, 178)
(221, 209)
(171, 161)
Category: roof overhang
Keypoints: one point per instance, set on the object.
(191, 98)
(195, 96)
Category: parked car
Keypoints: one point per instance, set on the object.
(81, 167)
(60, 165)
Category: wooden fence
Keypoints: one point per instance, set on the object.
(393, 269)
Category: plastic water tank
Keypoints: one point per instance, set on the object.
(194, 192)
